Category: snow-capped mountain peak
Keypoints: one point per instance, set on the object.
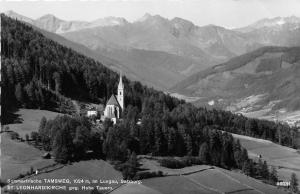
(276, 22)
(109, 21)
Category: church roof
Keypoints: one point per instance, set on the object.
(113, 101)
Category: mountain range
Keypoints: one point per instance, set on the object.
(242, 70)
(260, 83)
(53, 24)
(169, 49)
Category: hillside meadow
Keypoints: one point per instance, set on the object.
(30, 120)
(287, 160)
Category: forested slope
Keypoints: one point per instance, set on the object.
(38, 73)
(269, 72)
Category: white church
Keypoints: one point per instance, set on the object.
(115, 105)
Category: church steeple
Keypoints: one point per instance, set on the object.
(121, 92)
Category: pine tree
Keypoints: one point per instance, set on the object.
(273, 175)
(60, 147)
(238, 158)
(57, 79)
(19, 93)
(171, 141)
(265, 170)
(34, 136)
(259, 167)
(80, 141)
(42, 125)
(204, 153)
(294, 183)
(130, 168)
(133, 160)
(244, 155)
(30, 88)
(159, 140)
(189, 145)
(237, 145)
(27, 137)
(251, 168)
(247, 168)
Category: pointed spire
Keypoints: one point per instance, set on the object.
(120, 82)
(121, 92)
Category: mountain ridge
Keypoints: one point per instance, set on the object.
(129, 69)
(177, 27)
(165, 52)
(269, 22)
(210, 44)
(54, 24)
(263, 81)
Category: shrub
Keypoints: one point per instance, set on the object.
(128, 171)
(6, 128)
(192, 160)
(31, 170)
(21, 176)
(180, 163)
(14, 135)
(118, 165)
(34, 136)
(172, 163)
(27, 137)
(147, 175)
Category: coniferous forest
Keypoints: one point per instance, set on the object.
(40, 73)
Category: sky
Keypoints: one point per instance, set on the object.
(226, 13)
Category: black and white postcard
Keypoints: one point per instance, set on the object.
(150, 97)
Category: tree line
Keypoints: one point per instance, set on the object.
(73, 138)
(38, 73)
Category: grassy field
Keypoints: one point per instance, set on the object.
(135, 189)
(205, 180)
(286, 159)
(17, 157)
(30, 120)
(216, 181)
(252, 183)
(210, 181)
(176, 184)
(86, 170)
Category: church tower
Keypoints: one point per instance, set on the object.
(121, 92)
